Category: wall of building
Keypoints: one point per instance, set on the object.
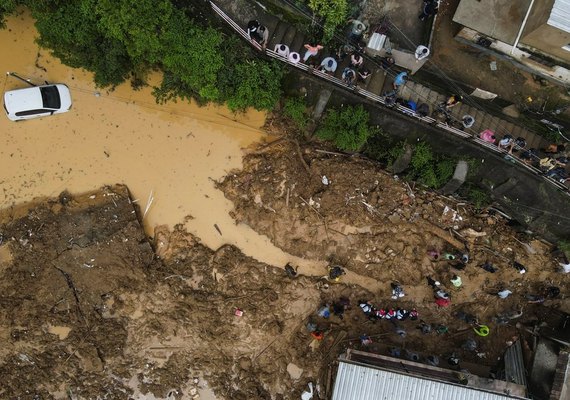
(548, 39)
(539, 14)
(525, 196)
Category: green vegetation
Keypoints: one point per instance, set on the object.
(348, 128)
(295, 109)
(332, 12)
(478, 197)
(564, 245)
(127, 39)
(428, 169)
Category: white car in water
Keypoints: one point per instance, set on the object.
(37, 101)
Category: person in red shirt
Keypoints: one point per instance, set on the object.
(442, 302)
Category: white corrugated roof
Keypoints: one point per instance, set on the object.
(357, 382)
(560, 15)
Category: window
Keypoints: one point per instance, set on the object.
(32, 112)
(50, 97)
(567, 47)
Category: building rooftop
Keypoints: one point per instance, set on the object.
(499, 19)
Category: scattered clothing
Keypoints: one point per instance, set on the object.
(564, 267)
(442, 294)
(503, 294)
(421, 52)
(282, 50)
(448, 256)
(401, 332)
(465, 317)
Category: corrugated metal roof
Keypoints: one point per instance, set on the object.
(357, 382)
(514, 364)
(560, 15)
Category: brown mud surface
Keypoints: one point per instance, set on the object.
(90, 311)
(380, 229)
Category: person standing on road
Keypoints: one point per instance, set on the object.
(400, 80)
(421, 52)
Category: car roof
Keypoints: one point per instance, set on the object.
(23, 99)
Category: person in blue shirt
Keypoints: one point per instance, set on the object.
(400, 79)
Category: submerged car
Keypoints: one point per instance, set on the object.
(37, 101)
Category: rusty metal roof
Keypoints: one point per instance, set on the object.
(358, 382)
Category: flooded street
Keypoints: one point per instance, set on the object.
(171, 152)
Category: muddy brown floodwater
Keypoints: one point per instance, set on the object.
(174, 152)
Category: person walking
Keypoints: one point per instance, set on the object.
(312, 51)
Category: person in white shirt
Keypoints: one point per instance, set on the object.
(282, 50)
(421, 52)
(328, 65)
(294, 57)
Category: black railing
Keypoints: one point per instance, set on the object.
(380, 100)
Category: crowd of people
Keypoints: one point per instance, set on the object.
(552, 161)
(400, 317)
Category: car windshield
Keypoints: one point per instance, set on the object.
(50, 97)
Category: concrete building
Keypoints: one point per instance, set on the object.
(533, 34)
